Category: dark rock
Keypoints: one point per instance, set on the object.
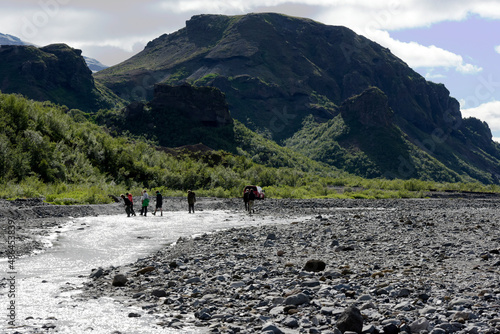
(96, 273)
(403, 293)
(315, 265)
(291, 322)
(120, 280)
(350, 320)
(203, 314)
(391, 329)
(271, 328)
(49, 326)
(311, 283)
(424, 297)
(179, 116)
(159, 293)
(297, 299)
(134, 315)
(370, 109)
(271, 236)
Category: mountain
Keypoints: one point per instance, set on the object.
(279, 73)
(56, 73)
(94, 65)
(6, 39)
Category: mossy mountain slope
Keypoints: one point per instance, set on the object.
(277, 70)
(363, 140)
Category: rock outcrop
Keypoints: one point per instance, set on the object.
(205, 105)
(369, 109)
(56, 73)
(178, 116)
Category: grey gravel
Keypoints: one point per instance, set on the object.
(408, 266)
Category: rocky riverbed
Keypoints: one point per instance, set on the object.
(372, 266)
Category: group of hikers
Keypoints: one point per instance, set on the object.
(248, 198)
(129, 203)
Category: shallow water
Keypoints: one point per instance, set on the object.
(46, 282)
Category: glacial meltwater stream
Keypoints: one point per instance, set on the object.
(45, 283)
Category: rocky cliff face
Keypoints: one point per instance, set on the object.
(178, 115)
(369, 109)
(205, 105)
(55, 73)
(276, 70)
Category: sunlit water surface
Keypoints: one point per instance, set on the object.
(92, 242)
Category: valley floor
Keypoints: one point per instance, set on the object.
(408, 265)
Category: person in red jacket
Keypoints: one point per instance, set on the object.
(131, 199)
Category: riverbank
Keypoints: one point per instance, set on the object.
(414, 266)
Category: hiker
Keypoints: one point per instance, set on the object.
(131, 199)
(245, 198)
(251, 199)
(191, 196)
(145, 203)
(159, 203)
(128, 204)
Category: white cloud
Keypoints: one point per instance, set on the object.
(497, 49)
(487, 9)
(119, 23)
(488, 112)
(417, 55)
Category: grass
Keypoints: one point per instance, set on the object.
(353, 188)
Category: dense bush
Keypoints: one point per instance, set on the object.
(46, 151)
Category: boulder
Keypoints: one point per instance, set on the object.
(350, 320)
(119, 280)
(315, 265)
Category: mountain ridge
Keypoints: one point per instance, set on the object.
(56, 73)
(281, 77)
(277, 70)
(6, 39)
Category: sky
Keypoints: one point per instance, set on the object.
(454, 42)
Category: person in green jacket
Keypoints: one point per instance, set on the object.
(145, 203)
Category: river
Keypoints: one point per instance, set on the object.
(46, 283)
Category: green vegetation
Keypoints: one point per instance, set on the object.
(276, 71)
(44, 152)
(373, 153)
